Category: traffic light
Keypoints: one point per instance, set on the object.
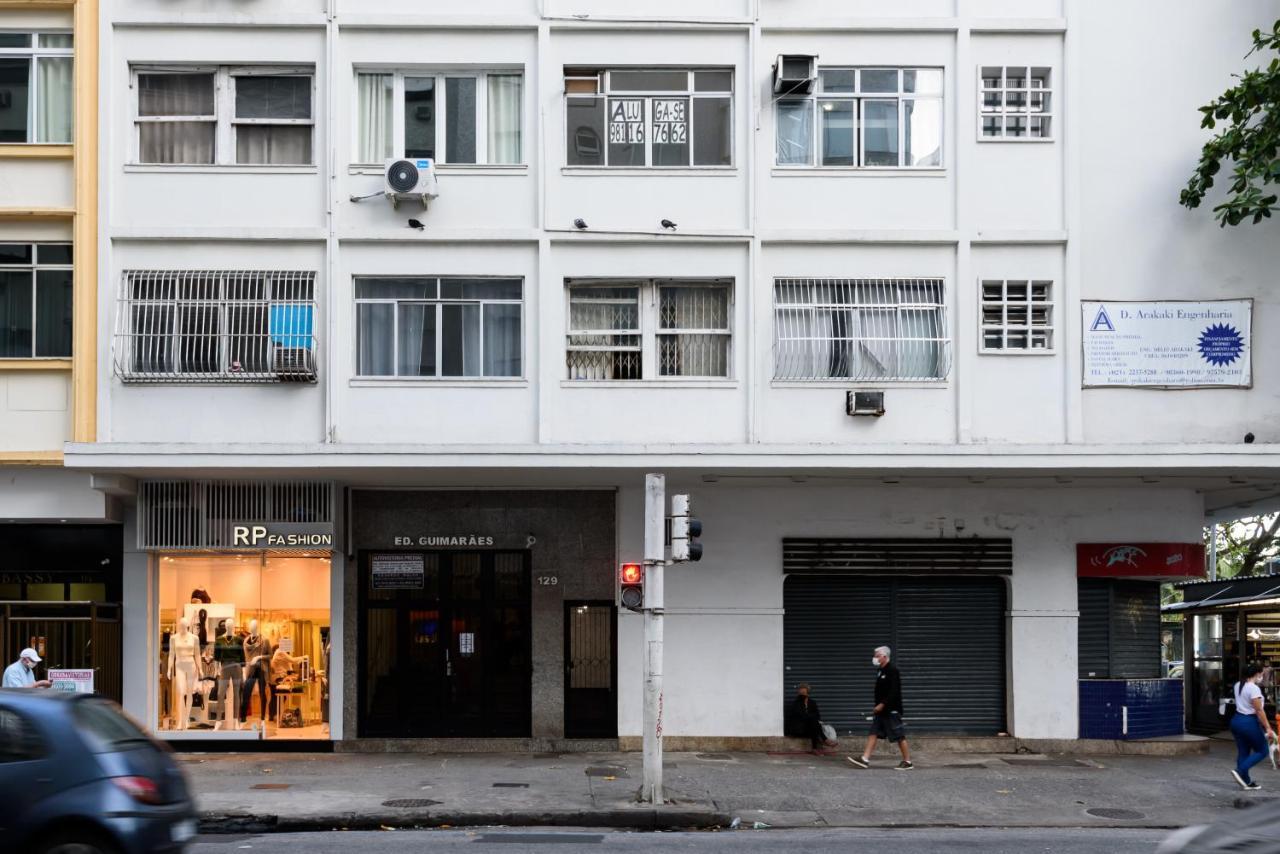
(685, 531)
(631, 586)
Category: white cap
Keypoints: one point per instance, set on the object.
(31, 654)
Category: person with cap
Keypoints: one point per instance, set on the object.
(21, 674)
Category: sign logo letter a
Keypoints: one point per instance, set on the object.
(1102, 321)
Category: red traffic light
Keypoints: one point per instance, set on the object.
(631, 573)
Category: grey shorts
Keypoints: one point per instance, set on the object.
(888, 725)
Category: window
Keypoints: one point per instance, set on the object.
(442, 328)
(1017, 316)
(864, 117)
(649, 117)
(860, 329)
(216, 326)
(615, 329)
(225, 116)
(36, 87)
(19, 740)
(35, 300)
(450, 117)
(1015, 103)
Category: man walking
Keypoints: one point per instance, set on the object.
(886, 721)
(20, 674)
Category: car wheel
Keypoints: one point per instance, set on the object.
(77, 843)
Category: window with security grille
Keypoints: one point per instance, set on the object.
(1017, 316)
(216, 326)
(649, 329)
(1015, 103)
(860, 330)
(35, 300)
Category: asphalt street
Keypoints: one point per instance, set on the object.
(832, 841)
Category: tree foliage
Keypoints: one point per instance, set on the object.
(1246, 547)
(1249, 139)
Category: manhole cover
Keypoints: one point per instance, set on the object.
(511, 785)
(608, 771)
(715, 757)
(1120, 815)
(276, 786)
(410, 803)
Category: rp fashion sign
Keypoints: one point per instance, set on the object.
(1168, 344)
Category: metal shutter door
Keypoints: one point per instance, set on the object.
(947, 635)
(1135, 630)
(1094, 631)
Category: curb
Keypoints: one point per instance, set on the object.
(619, 819)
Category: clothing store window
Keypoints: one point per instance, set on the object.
(244, 646)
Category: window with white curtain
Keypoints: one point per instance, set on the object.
(648, 329)
(461, 117)
(36, 87)
(860, 330)
(225, 115)
(447, 327)
(865, 118)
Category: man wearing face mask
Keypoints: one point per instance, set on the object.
(886, 720)
(21, 673)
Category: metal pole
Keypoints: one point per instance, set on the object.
(654, 562)
(1213, 552)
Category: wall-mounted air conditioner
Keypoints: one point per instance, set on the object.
(410, 179)
(794, 74)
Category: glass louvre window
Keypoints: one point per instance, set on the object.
(35, 300)
(649, 117)
(467, 328)
(684, 326)
(860, 330)
(1017, 315)
(1015, 103)
(216, 326)
(462, 117)
(36, 87)
(864, 117)
(226, 116)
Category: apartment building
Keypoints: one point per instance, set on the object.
(846, 278)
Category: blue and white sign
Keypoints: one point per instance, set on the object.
(1168, 344)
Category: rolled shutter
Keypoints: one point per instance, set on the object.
(1094, 631)
(1135, 630)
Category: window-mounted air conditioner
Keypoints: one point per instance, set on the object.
(295, 364)
(410, 179)
(864, 403)
(794, 74)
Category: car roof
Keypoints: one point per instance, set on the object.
(29, 696)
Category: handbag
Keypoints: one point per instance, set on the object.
(828, 732)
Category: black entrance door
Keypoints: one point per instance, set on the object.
(445, 644)
(590, 670)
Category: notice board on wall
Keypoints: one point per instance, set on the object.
(1171, 345)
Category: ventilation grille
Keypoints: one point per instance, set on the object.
(897, 557)
(199, 515)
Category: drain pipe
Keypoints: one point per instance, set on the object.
(330, 243)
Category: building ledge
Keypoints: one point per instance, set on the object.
(30, 458)
(7, 365)
(36, 151)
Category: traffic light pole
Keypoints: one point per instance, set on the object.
(655, 500)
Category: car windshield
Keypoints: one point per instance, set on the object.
(105, 726)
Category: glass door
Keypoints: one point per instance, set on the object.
(590, 677)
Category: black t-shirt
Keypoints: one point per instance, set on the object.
(889, 688)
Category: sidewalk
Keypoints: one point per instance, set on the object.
(293, 792)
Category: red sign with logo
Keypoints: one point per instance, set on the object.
(1140, 560)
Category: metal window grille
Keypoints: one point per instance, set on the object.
(604, 338)
(693, 330)
(1015, 102)
(199, 515)
(1017, 316)
(216, 326)
(860, 330)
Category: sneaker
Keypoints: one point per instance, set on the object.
(1239, 779)
(859, 761)
(904, 765)
(1254, 786)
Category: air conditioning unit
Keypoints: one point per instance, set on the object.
(864, 403)
(794, 74)
(410, 179)
(293, 364)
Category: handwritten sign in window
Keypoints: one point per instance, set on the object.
(670, 121)
(626, 121)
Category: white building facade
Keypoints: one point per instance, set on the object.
(652, 250)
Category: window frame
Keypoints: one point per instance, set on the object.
(34, 268)
(441, 74)
(224, 118)
(33, 55)
(859, 99)
(1050, 93)
(605, 92)
(1049, 328)
(649, 328)
(439, 302)
(36, 746)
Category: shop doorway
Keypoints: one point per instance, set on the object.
(590, 670)
(445, 644)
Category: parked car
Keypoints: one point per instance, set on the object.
(1255, 830)
(77, 776)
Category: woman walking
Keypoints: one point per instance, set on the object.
(1248, 725)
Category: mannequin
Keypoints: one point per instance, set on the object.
(257, 657)
(228, 651)
(184, 671)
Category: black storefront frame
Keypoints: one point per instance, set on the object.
(446, 607)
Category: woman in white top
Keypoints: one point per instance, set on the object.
(1248, 725)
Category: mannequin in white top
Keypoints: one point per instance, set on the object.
(184, 671)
